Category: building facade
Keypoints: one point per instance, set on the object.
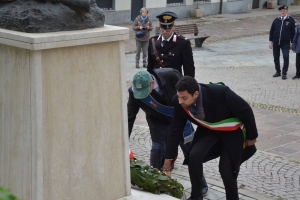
(122, 11)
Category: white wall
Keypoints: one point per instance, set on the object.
(156, 3)
(217, 1)
(189, 2)
(122, 5)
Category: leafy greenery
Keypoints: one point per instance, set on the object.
(5, 194)
(153, 180)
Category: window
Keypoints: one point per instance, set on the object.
(174, 1)
(105, 4)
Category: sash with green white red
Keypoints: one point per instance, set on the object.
(229, 124)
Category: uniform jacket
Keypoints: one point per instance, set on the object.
(176, 53)
(296, 41)
(136, 26)
(219, 103)
(282, 32)
(167, 79)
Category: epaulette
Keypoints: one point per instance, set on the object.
(182, 37)
(156, 37)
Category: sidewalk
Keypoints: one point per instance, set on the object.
(237, 53)
(235, 25)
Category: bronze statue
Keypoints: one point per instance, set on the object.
(40, 16)
(77, 5)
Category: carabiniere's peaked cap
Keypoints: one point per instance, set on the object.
(166, 19)
(283, 7)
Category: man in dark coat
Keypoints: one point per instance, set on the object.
(170, 50)
(281, 36)
(207, 105)
(160, 84)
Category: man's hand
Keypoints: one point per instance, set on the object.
(168, 173)
(250, 142)
(167, 167)
(271, 45)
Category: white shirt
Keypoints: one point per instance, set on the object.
(155, 87)
(162, 39)
(283, 18)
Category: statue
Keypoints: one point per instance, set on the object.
(41, 16)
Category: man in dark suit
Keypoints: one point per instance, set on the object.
(281, 36)
(169, 50)
(208, 105)
(153, 92)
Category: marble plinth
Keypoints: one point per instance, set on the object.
(63, 121)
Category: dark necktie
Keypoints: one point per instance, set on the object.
(164, 42)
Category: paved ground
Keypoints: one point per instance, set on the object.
(237, 53)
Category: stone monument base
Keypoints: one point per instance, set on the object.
(63, 118)
(137, 194)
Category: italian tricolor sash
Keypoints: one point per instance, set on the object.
(230, 124)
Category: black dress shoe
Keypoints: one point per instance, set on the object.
(284, 76)
(276, 74)
(296, 77)
(137, 66)
(145, 66)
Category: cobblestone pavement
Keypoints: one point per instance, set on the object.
(265, 173)
(237, 54)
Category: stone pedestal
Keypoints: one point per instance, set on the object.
(63, 118)
(197, 12)
(271, 4)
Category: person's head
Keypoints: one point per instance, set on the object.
(144, 11)
(167, 23)
(143, 84)
(283, 10)
(187, 91)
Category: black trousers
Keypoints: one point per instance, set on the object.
(298, 64)
(285, 48)
(159, 130)
(226, 169)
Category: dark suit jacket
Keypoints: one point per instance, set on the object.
(219, 103)
(167, 79)
(173, 55)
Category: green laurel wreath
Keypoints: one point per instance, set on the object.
(153, 180)
(5, 194)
